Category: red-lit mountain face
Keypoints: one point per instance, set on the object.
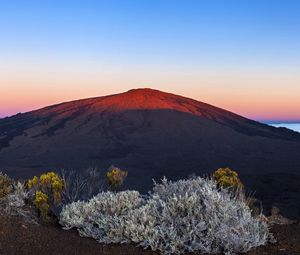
(151, 134)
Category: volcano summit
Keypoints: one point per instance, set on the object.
(150, 134)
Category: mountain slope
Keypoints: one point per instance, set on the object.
(150, 134)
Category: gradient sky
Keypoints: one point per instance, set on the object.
(242, 55)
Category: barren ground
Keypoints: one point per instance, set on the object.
(16, 238)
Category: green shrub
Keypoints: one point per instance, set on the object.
(228, 178)
(115, 177)
(46, 192)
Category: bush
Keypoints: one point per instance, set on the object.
(228, 178)
(6, 185)
(115, 177)
(46, 192)
(177, 217)
(15, 204)
(103, 216)
(17, 198)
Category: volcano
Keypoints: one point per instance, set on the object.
(152, 134)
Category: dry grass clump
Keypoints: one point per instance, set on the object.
(81, 185)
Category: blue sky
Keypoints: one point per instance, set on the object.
(154, 31)
(213, 50)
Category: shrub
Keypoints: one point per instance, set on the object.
(41, 202)
(15, 204)
(177, 217)
(81, 185)
(6, 185)
(115, 177)
(228, 178)
(46, 192)
(102, 216)
(17, 198)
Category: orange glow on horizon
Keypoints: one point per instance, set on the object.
(256, 95)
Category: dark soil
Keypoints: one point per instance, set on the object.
(16, 238)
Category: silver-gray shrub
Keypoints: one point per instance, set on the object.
(14, 204)
(102, 217)
(17, 198)
(177, 217)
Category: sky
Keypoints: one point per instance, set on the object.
(243, 56)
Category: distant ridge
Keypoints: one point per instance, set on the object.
(149, 133)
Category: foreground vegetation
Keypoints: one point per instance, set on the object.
(206, 215)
